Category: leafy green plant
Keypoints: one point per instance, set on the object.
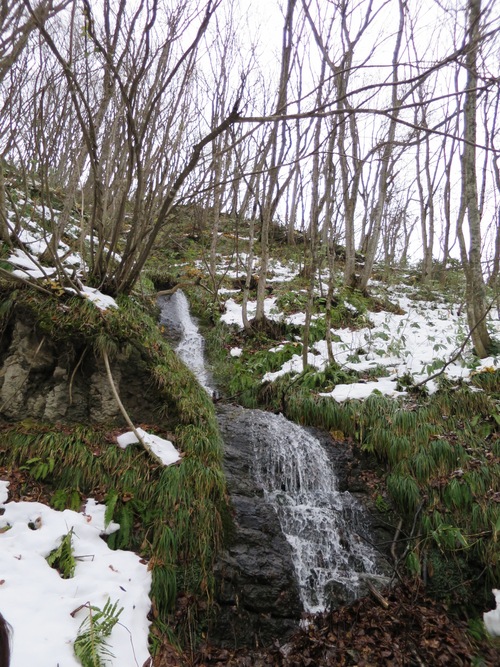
(111, 500)
(66, 499)
(487, 379)
(381, 504)
(291, 302)
(90, 645)
(62, 558)
(39, 468)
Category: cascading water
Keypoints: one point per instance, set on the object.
(322, 525)
(175, 311)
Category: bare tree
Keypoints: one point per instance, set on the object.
(493, 136)
(129, 92)
(427, 179)
(469, 205)
(317, 204)
(274, 153)
(387, 160)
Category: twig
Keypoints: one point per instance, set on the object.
(394, 541)
(132, 645)
(377, 595)
(13, 276)
(412, 534)
(124, 412)
(82, 606)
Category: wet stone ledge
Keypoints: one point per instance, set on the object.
(257, 599)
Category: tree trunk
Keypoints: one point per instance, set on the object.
(475, 290)
(277, 147)
(386, 167)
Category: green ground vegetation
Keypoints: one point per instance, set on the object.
(169, 515)
(439, 454)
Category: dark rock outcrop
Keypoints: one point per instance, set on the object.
(257, 594)
(53, 382)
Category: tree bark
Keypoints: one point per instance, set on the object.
(475, 286)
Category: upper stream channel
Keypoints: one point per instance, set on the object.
(326, 529)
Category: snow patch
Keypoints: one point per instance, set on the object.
(40, 605)
(164, 449)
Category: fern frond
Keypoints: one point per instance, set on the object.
(90, 644)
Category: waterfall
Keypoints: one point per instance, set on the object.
(323, 526)
(175, 313)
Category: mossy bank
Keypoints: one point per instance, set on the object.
(59, 420)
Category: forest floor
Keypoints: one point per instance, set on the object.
(405, 629)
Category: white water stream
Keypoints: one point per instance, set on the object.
(175, 309)
(322, 525)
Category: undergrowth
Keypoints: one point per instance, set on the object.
(441, 454)
(442, 458)
(171, 515)
(91, 645)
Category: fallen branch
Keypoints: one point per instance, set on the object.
(73, 376)
(172, 290)
(124, 412)
(377, 595)
(411, 536)
(395, 540)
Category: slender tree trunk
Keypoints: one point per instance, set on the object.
(475, 287)
(386, 167)
(316, 205)
(4, 228)
(277, 148)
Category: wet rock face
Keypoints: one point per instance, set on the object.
(53, 382)
(257, 595)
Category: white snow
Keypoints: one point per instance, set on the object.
(36, 242)
(358, 390)
(281, 273)
(102, 301)
(164, 449)
(416, 343)
(28, 267)
(492, 618)
(41, 606)
(233, 314)
(4, 491)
